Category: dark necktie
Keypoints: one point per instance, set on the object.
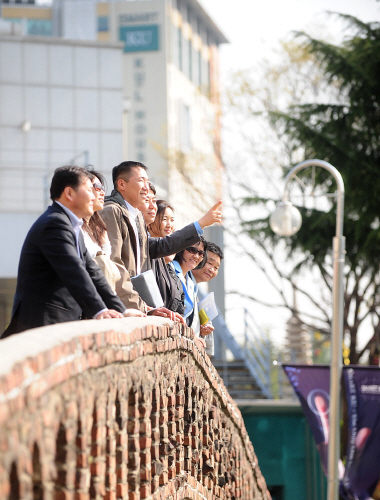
(139, 231)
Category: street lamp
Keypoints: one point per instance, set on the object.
(285, 222)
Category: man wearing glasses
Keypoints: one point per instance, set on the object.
(203, 275)
(132, 247)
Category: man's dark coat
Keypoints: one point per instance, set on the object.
(54, 284)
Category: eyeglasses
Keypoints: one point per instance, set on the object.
(195, 251)
(98, 187)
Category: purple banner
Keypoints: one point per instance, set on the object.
(312, 386)
(362, 385)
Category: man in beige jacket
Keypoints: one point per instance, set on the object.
(132, 247)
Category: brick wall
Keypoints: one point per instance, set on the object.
(112, 409)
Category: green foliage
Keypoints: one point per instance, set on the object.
(341, 125)
(347, 135)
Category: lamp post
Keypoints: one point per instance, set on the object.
(285, 221)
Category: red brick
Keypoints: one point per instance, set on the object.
(121, 490)
(163, 478)
(145, 490)
(145, 442)
(163, 386)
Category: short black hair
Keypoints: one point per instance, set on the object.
(125, 169)
(68, 175)
(152, 188)
(211, 247)
(179, 256)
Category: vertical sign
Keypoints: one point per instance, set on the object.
(312, 386)
(361, 472)
(362, 384)
(139, 118)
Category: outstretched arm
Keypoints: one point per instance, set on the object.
(212, 216)
(185, 237)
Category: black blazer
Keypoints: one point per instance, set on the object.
(170, 288)
(54, 284)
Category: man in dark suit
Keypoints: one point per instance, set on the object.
(57, 279)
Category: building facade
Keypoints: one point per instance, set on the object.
(171, 104)
(60, 103)
(100, 82)
(171, 95)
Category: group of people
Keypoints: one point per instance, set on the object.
(78, 258)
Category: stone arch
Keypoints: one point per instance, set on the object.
(118, 415)
(38, 491)
(82, 482)
(121, 417)
(113, 426)
(133, 428)
(14, 490)
(97, 457)
(144, 396)
(187, 422)
(145, 434)
(60, 459)
(179, 421)
(156, 466)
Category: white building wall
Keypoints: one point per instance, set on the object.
(170, 120)
(145, 82)
(73, 13)
(60, 102)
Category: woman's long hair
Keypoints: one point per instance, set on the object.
(154, 227)
(95, 225)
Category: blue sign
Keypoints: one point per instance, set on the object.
(139, 38)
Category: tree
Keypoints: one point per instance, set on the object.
(336, 118)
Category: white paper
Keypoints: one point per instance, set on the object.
(209, 306)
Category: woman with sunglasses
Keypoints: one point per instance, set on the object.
(95, 234)
(184, 262)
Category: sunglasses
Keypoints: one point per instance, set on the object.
(98, 187)
(195, 251)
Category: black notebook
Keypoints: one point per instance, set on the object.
(146, 286)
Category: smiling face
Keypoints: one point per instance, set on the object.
(191, 260)
(99, 194)
(209, 270)
(149, 208)
(134, 188)
(167, 223)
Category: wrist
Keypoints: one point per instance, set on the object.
(202, 223)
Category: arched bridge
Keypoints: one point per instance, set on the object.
(119, 409)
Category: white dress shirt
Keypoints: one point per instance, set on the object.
(77, 226)
(133, 214)
(76, 222)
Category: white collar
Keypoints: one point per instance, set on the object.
(75, 221)
(132, 210)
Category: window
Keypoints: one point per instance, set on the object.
(184, 128)
(41, 27)
(103, 23)
(180, 58)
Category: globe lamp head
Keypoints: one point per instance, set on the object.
(286, 220)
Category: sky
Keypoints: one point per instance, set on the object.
(255, 27)
(254, 30)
